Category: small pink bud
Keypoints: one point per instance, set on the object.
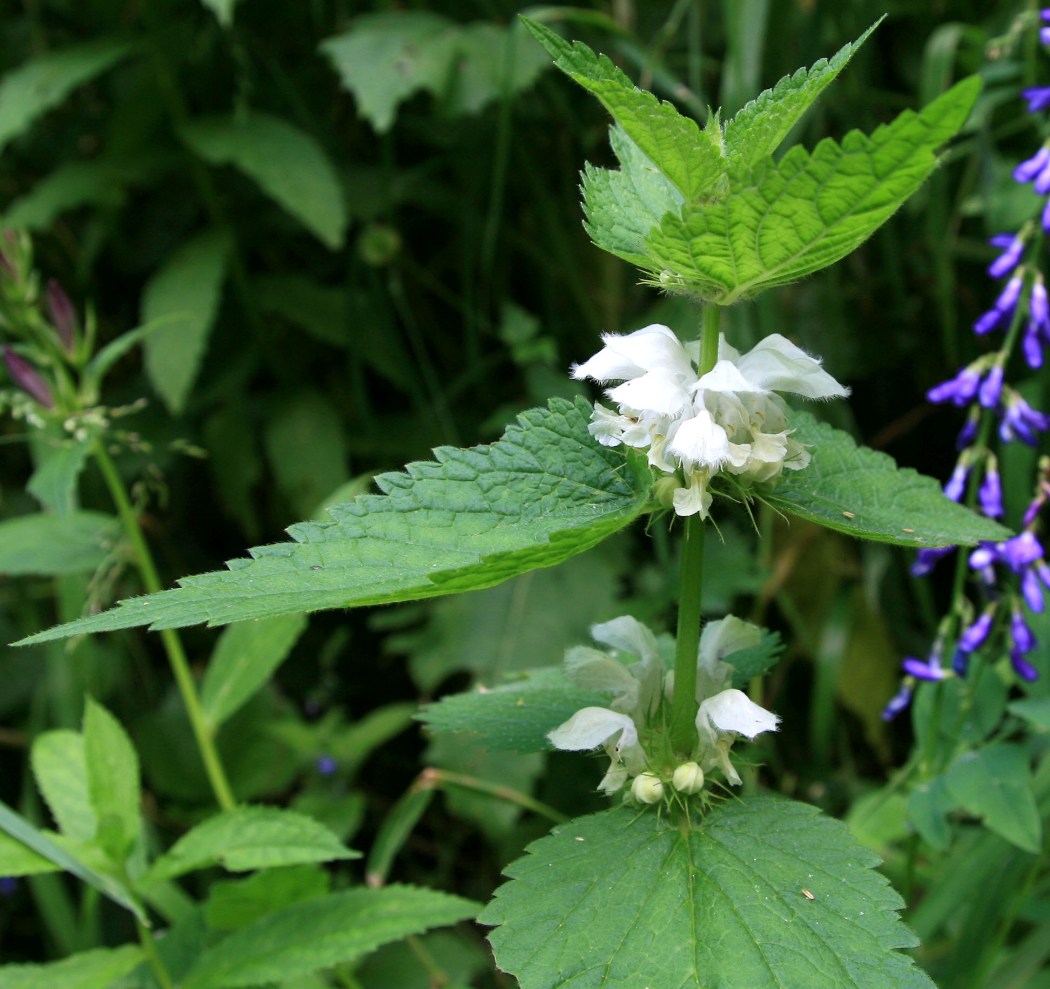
(26, 377)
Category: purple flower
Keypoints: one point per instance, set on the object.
(956, 486)
(1031, 167)
(897, 703)
(1023, 638)
(8, 885)
(977, 634)
(959, 390)
(1045, 218)
(1039, 303)
(1032, 592)
(326, 765)
(991, 388)
(63, 315)
(990, 493)
(1020, 551)
(1044, 35)
(1038, 98)
(1021, 421)
(1024, 669)
(26, 377)
(926, 558)
(969, 431)
(1012, 246)
(924, 669)
(1032, 345)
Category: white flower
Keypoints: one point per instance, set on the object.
(724, 716)
(729, 419)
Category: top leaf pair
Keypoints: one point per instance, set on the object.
(709, 213)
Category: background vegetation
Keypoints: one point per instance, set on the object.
(371, 213)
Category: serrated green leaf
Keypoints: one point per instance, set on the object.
(862, 492)
(623, 899)
(112, 781)
(46, 545)
(60, 769)
(245, 657)
(791, 218)
(995, 783)
(515, 716)
(320, 933)
(250, 838)
(185, 295)
(21, 830)
(471, 519)
(35, 87)
(758, 129)
(287, 164)
(236, 903)
(689, 157)
(97, 969)
(622, 207)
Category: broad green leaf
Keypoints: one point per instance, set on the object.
(35, 87)
(245, 657)
(317, 934)
(185, 293)
(929, 805)
(288, 165)
(791, 218)
(762, 892)
(622, 207)
(492, 62)
(60, 769)
(689, 157)
(995, 783)
(236, 903)
(108, 355)
(97, 969)
(758, 129)
(58, 467)
(21, 830)
(470, 519)
(17, 859)
(112, 781)
(862, 492)
(46, 545)
(250, 838)
(1035, 710)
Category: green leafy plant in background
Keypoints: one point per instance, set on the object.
(679, 882)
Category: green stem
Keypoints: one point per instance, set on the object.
(180, 666)
(690, 595)
(160, 973)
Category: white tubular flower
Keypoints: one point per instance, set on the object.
(693, 427)
(721, 719)
(591, 727)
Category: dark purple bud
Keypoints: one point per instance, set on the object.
(959, 390)
(991, 388)
(1023, 638)
(926, 559)
(956, 486)
(1013, 249)
(990, 493)
(1032, 592)
(967, 434)
(63, 315)
(960, 663)
(976, 635)
(1031, 167)
(1032, 345)
(1038, 98)
(1032, 511)
(924, 669)
(1024, 669)
(26, 377)
(326, 765)
(1009, 295)
(8, 885)
(897, 703)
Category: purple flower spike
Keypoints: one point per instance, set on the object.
(1023, 638)
(924, 669)
(26, 377)
(926, 559)
(1031, 167)
(991, 388)
(897, 703)
(1013, 248)
(1024, 669)
(959, 390)
(1038, 98)
(956, 486)
(990, 493)
(977, 634)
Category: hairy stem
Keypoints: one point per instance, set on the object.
(180, 666)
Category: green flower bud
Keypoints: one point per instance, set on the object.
(688, 778)
(647, 789)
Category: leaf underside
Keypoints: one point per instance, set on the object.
(862, 492)
(763, 893)
(470, 519)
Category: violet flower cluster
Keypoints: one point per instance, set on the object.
(1012, 576)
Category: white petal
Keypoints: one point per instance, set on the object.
(776, 364)
(593, 670)
(625, 357)
(662, 392)
(726, 636)
(628, 635)
(693, 499)
(606, 426)
(732, 710)
(593, 726)
(726, 376)
(701, 442)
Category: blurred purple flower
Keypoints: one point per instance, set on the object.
(26, 377)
